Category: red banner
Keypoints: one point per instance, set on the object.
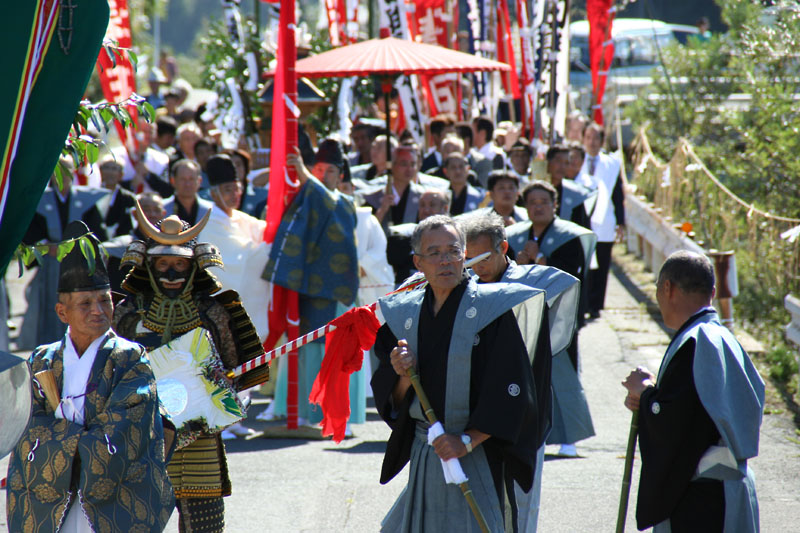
(505, 50)
(600, 14)
(283, 312)
(342, 21)
(119, 82)
(430, 23)
(528, 77)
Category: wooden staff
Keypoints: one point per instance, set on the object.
(431, 416)
(626, 476)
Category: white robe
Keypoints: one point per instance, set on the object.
(377, 277)
(240, 240)
(76, 377)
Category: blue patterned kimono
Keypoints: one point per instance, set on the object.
(113, 463)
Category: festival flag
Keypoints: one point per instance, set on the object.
(117, 76)
(479, 45)
(284, 314)
(429, 24)
(526, 35)
(551, 59)
(600, 14)
(505, 50)
(46, 70)
(394, 22)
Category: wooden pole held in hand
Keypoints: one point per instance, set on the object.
(627, 474)
(431, 416)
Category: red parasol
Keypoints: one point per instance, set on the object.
(389, 57)
(392, 57)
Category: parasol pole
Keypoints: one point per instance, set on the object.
(386, 86)
(431, 416)
(627, 474)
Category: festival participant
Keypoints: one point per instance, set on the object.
(576, 124)
(486, 234)
(148, 168)
(440, 127)
(254, 198)
(504, 192)
(93, 456)
(170, 293)
(365, 173)
(116, 207)
(362, 136)
(186, 204)
(465, 197)
(577, 154)
(572, 196)
(601, 172)
(58, 207)
(545, 239)
(699, 421)
(483, 131)
(402, 205)
(473, 363)
(477, 162)
(324, 272)
(398, 248)
(520, 155)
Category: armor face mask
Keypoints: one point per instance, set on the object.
(171, 276)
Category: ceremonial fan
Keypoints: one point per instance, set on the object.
(192, 387)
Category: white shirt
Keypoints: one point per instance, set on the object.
(606, 174)
(490, 151)
(76, 376)
(240, 239)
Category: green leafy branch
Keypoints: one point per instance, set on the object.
(82, 147)
(26, 255)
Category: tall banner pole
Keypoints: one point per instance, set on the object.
(284, 307)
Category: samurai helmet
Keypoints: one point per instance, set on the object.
(171, 237)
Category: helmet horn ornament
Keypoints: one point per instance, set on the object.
(170, 232)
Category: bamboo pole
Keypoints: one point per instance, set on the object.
(625, 492)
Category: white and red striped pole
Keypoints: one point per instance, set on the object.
(324, 330)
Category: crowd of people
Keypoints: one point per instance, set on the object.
(540, 220)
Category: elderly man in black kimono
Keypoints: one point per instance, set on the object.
(473, 363)
(699, 419)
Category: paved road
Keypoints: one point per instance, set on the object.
(283, 485)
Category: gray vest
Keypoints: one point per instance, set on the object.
(732, 393)
(572, 195)
(563, 293)
(480, 305)
(559, 233)
(81, 199)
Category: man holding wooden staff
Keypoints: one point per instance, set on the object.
(93, 457)
(699, 421)
(473, 363)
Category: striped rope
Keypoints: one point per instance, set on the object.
(327, 328)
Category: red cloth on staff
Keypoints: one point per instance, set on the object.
(344, 352)
(600, 51)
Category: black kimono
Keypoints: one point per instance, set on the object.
(499, 356)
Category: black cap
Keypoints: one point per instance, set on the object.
(75, 273)
(330, 151)
(220, 169)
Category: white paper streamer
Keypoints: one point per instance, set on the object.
(452, 468)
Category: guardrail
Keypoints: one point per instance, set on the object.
(792, 304)
(652, 238)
